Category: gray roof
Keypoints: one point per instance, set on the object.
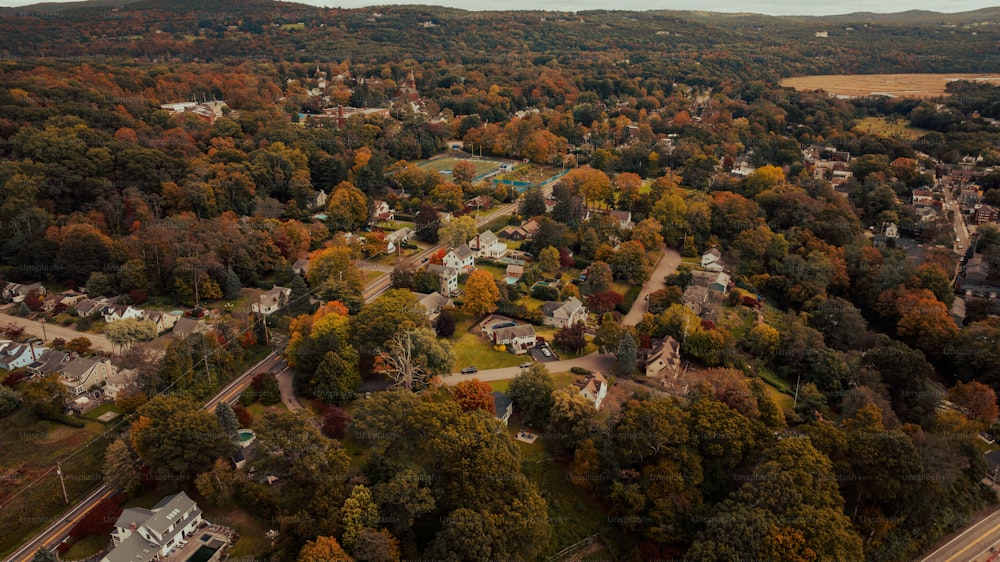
(568, 307)
(187, 326)
(133, 549)
(511, 332)
(168, 512)
(78, 367)
(487, 238)
(442, 269)
(462, 251)
(51, 361)
(502, 402)
(433, 300)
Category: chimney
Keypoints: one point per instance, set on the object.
(132, 526)
(31, 346)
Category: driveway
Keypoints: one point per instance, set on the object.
(594, 361)
(667, 265)
(53, 331)
(286, 387)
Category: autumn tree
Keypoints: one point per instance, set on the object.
(379, 321)
(472, 395)
(457, 231)
(427, 224)
(121, 466)
(346, 208)
(531, 391)
(572, 418)
(413, 357)
(176, 438)
(481, 293)
(359, 512)
(323, 549)
(45, 397)
(977, 400)
(924, 320)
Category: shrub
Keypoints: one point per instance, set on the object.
(16, 378)
(335, 422)
(243, 415)
(8, 400)
(545, 293)
(580, 370)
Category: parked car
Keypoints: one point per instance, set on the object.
(525, 365)
(470, 370)
(546, 352)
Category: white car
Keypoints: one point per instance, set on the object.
(546, 352)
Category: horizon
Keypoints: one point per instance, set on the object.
(790, 8)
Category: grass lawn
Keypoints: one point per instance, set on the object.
(470, 349)
(395, 225)
(87, 546)
(101, 410)
(561, 380)
(251, 529)
(897, 128)
(572, 514)
(446, 164)
(369, 275)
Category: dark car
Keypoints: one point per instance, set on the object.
(470, 370)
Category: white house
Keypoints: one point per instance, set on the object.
(271, 300)
(16, 292)
(17, 355)
(383, 212)
(163, 320)
(460, 258)
(121, 312)
(594, 388)
(623, 218)
(710, 257)
(488, 245)
(448, 277)
(85, 307)
(120, 383)
(397, 238)
(82, 374)
(142, 535)
(664, 359)
(518, 339)
(562, 314)
(504, 406)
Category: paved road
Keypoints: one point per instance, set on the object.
(973, 544)
(287, 388)
(59, 529)
(667, 265)
(54, 331)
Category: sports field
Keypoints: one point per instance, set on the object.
(900, 85)
(444, 165)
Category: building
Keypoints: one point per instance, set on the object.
(922, 195)
(120, 383)
(118, 312)
(562, 314)
(594, 388)
(712, 261)
(515, 233)
(57, 303)
(433, 303)
(185, 327)
(664, 359)
(986, 214)
(82, 374)
(51, 361)
(717, 281)
(397, 238)
(88, 307)
(518, 339)
(17, 355)
(340, 114)
(16, 292)
(977, 271)
(448, 277)
(623, 218)
(513, 273)
(488, 245)
(460, 258)
(301, 266)
(383, 212)
(209, 110)
(271, 300)
(163, 320)
(143, 535)
(504, 406)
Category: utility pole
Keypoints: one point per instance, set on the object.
(61, 481)
(44, 337)
(795, 402)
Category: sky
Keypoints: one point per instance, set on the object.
(770, 7)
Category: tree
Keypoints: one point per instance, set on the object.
(448, 195)
(124, 333)
(662, 299)
(628, 185)
(457, 231)
(376, 546)
(9, 400)
(227, 420)
(464, 173)
(121, 466)
(571, 338)
(233, 285)
(604, 301)
(220, 484)
(609, 335)
(762, 179)
(334, 271)
(977, 399)
(264, 389)
(548, 261)
(481, 293)
(176, 438)
(335, 421)
(533, 203)
(626, 354)
(336, 379)
(445, 324)
(45, 397)
(426, 224)
(413, 357)
(924, 320)
(44, 555)
(531, 391)
(358, 513)
(474, 395)
(99, 284)
(763, 341)
(599, 278)
(323, 549)
(572, 418)
(83, 249)
(586, 465)
(346, 208)
(648, 233)
(380, 320)
(594, 185)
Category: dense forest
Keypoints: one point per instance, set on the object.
(102, 188)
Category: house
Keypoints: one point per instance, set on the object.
(185, 327)
(713, 280)
(57, 303)
(81, 374)
(383, 212)
(460, 258)
(448, 277)
(562, 314)
(143, 535)
(163, 320)
(120, 383)
(88, 307)
(397, 238)
(515, 233)
(49, 362)
(476, 203)
(518, 339)
(488, 245)
(664, 360)
(925, 213)
(710, 257)
(118, 312)
(695, 297)
(16, 292)
(17, 355)
(301, 266)
(922, 195)
(271, 301)
(594, 388)
(957, 311)
(623, 218)
(986, 214)
(433, 303)
(531, 227)
(977, 271)
(513, 273)
(504, 406)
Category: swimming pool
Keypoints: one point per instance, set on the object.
(202, 554)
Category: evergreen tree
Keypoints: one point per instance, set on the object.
(626, 354)
(227, 419)
(233, 286)
(533, 203)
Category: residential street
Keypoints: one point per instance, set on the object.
(971, 545)
(54, 331)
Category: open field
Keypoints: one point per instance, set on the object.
(897, 128)
(445, 165)
(898, 85)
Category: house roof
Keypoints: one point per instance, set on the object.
(301, 264)
(713, 252)
(50, 362)
(565, 309)
(502, 402)
(509, 231)
(187, 326)
(592, 384)
(511, 332)
(462, 252)
(514, 269)
(433, 301)
(401, 234)
(668, 350)
(168, 511)
(531, 226)
(77, 368)
(620, 216)
(442, 270)
(487, 238)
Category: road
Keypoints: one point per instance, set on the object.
(54, 331)
(59, 530)
(971, 545)
(667, 265)
(961, 229)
